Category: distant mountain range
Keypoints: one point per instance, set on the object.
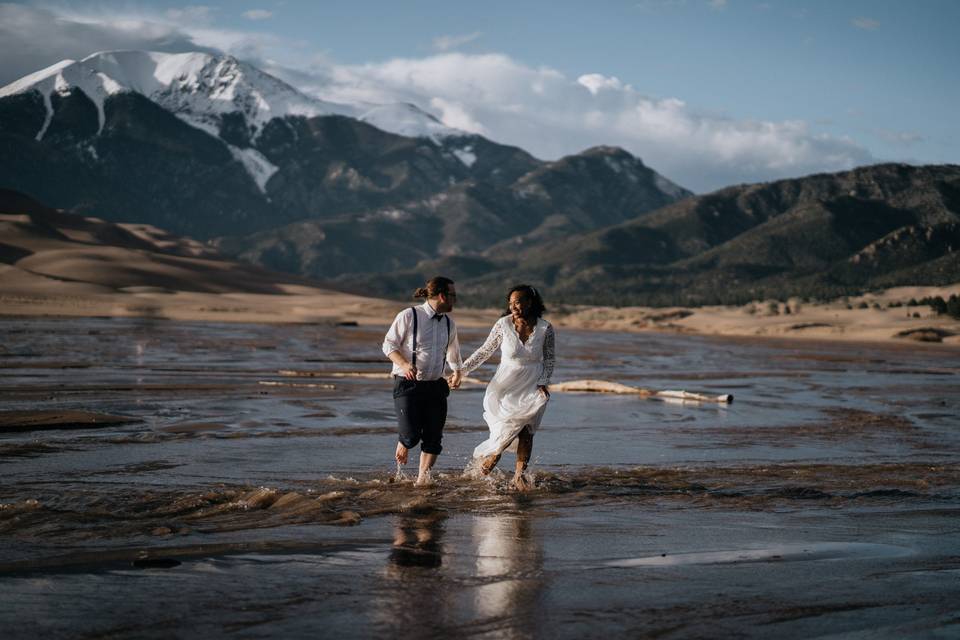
(821, 236)
(378, 197)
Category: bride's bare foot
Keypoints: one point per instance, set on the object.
(522, 482)
(489, 463)
(401, 455)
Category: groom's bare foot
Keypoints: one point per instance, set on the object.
(402, 452)
(489, 463)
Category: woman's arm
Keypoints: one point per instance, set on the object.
(549, 357)
(483, 354)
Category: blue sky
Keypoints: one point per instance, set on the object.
(705, 91)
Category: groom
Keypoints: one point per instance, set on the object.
(421, 340)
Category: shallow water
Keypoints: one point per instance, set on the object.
(253, 492)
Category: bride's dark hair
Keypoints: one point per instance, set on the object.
(537, 309)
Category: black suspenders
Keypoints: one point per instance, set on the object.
(414, 310)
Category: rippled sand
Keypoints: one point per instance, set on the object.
(168, 479)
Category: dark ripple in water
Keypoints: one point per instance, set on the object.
(94, 511)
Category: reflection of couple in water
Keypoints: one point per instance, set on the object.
(423, 339)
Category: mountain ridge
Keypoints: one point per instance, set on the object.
(315, 189)
(139, 145)
(787, 237)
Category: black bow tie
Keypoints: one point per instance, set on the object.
(438, 317)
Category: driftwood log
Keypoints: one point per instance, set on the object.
(603, 386)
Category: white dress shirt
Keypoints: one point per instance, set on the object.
(433, 344)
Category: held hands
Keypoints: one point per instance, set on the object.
(544, 390)
(410, 372)
(454, 379)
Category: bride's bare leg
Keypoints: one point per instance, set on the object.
(524, 450)
(488, 463)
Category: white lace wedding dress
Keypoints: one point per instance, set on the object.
(512, 400)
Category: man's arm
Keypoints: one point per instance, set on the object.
(454, 360)
(409, 371)
(393, 342)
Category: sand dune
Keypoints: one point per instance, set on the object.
(104, 254)
(53, 263)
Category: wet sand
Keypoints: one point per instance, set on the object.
(881, 316)
(249, 490)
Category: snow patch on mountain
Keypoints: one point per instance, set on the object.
(47, 118)
(61, 78)
(259, 168)
(613, 164)
(465, 155)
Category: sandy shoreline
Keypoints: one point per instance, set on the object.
(867, 318)
(864, 318)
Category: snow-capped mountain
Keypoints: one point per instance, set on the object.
(209, 146)
(202, 88)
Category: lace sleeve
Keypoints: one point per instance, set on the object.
(483, 354)
(549, 357)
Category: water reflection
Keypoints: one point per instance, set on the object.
(417, 542)
(478, 575)
(510, 562)
(414, 596)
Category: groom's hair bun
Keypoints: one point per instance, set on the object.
(434, 287)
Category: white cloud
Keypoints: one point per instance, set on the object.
(551, 115)
(719, 5)
(596, 82)
(257, 14)
(536, 108)
(32, 38)
(867, 24)
(446, 43)
(457, 115)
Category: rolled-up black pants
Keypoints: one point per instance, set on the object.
(421, 412)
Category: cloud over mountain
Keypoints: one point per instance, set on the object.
(550, 114)
(537, 108)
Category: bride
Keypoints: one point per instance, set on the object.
(517, 396)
